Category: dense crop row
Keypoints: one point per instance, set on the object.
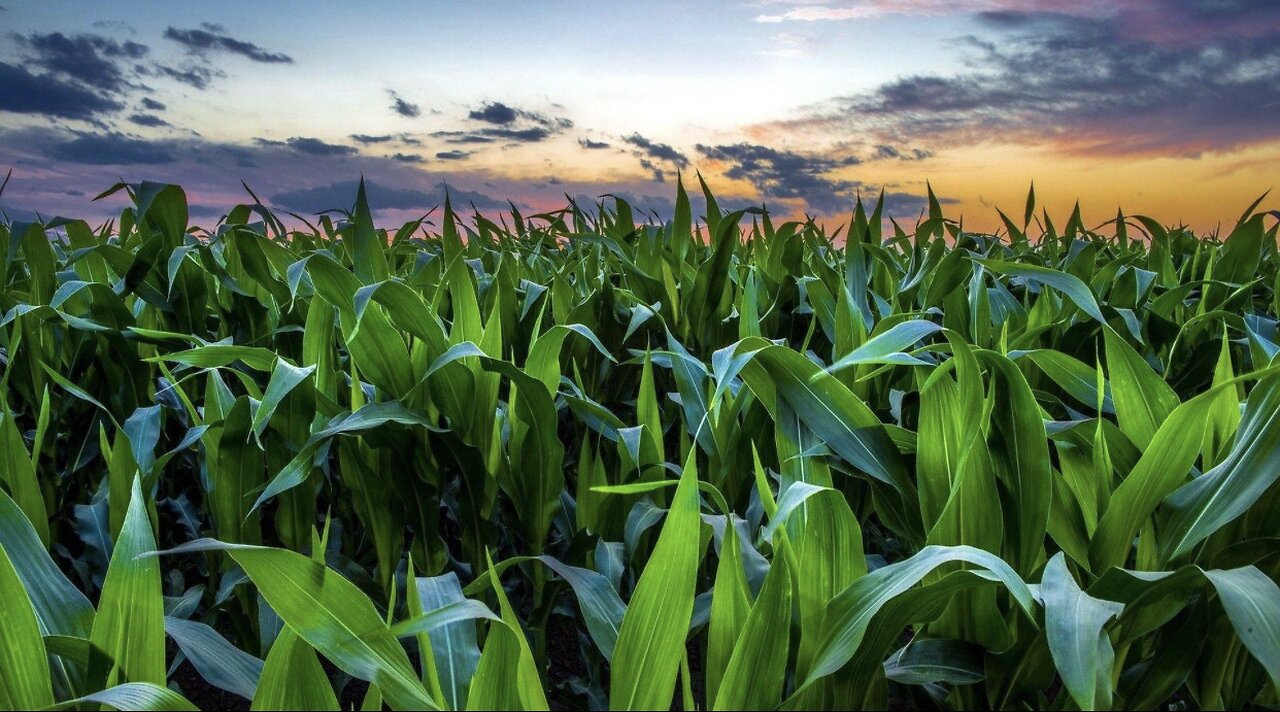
(564, 459)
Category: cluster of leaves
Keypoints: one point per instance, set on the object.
(565, 458)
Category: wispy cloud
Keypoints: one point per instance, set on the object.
(90, 77)
(197, 76)
(92, 60)
(837, 10)
(111, 149)
(310, 146)
(495, 112)
(367, 139)
(212, 39)
(502, 123)
(148, 120)
(782, 174)
(403, 107)
(1085, 85)
(653, 155)
(47, 95)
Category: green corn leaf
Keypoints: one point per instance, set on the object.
(368, 248)
(331, 615)
(1081, 648)
(757, 669)
(1143, 400)
(19, 475)
(1250, 599)
(219, 662)
(465, 610)
(887, 348)
(292, 678)
(1252, 602)
(60, 608)
(936, 660)
(507, 676)
(222, 355)
(24, 671)
(141, 696)
(1071, 375)
(284, 378)
(1020, 452)
(129, 625)
(455, 653)
(830, 410)
(1162, 469)
(1206, 504)
(851, 612)
(362, 419)
(1070, 285)
(730, 605)
(651, 641)
(602, 609)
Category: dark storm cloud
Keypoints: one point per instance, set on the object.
(592, 145)
(27, 93)
(507, 125)
(381, 197)
(111, 149)
(110, 69)
(403, 139)
(201, 41)
(116, 148)
(92, 60)
(462, 137)
(152, 104)
(659, 151)
(495, 113)
(885, 151)
(316, 147)
(529, 135)
(1197, 22)
(408, 158)
(366, 139)
(149, 120)
(452, 155)
(659, 175)
(197, 76)
(310, 146)
(500, 114)
(652, 155)
(785, 174)
(402, 107)
(532, 134)
(1139, 81)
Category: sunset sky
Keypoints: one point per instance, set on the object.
(1169, 107)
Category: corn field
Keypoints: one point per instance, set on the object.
(586, 459)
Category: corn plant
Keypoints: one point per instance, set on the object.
(588, 459)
